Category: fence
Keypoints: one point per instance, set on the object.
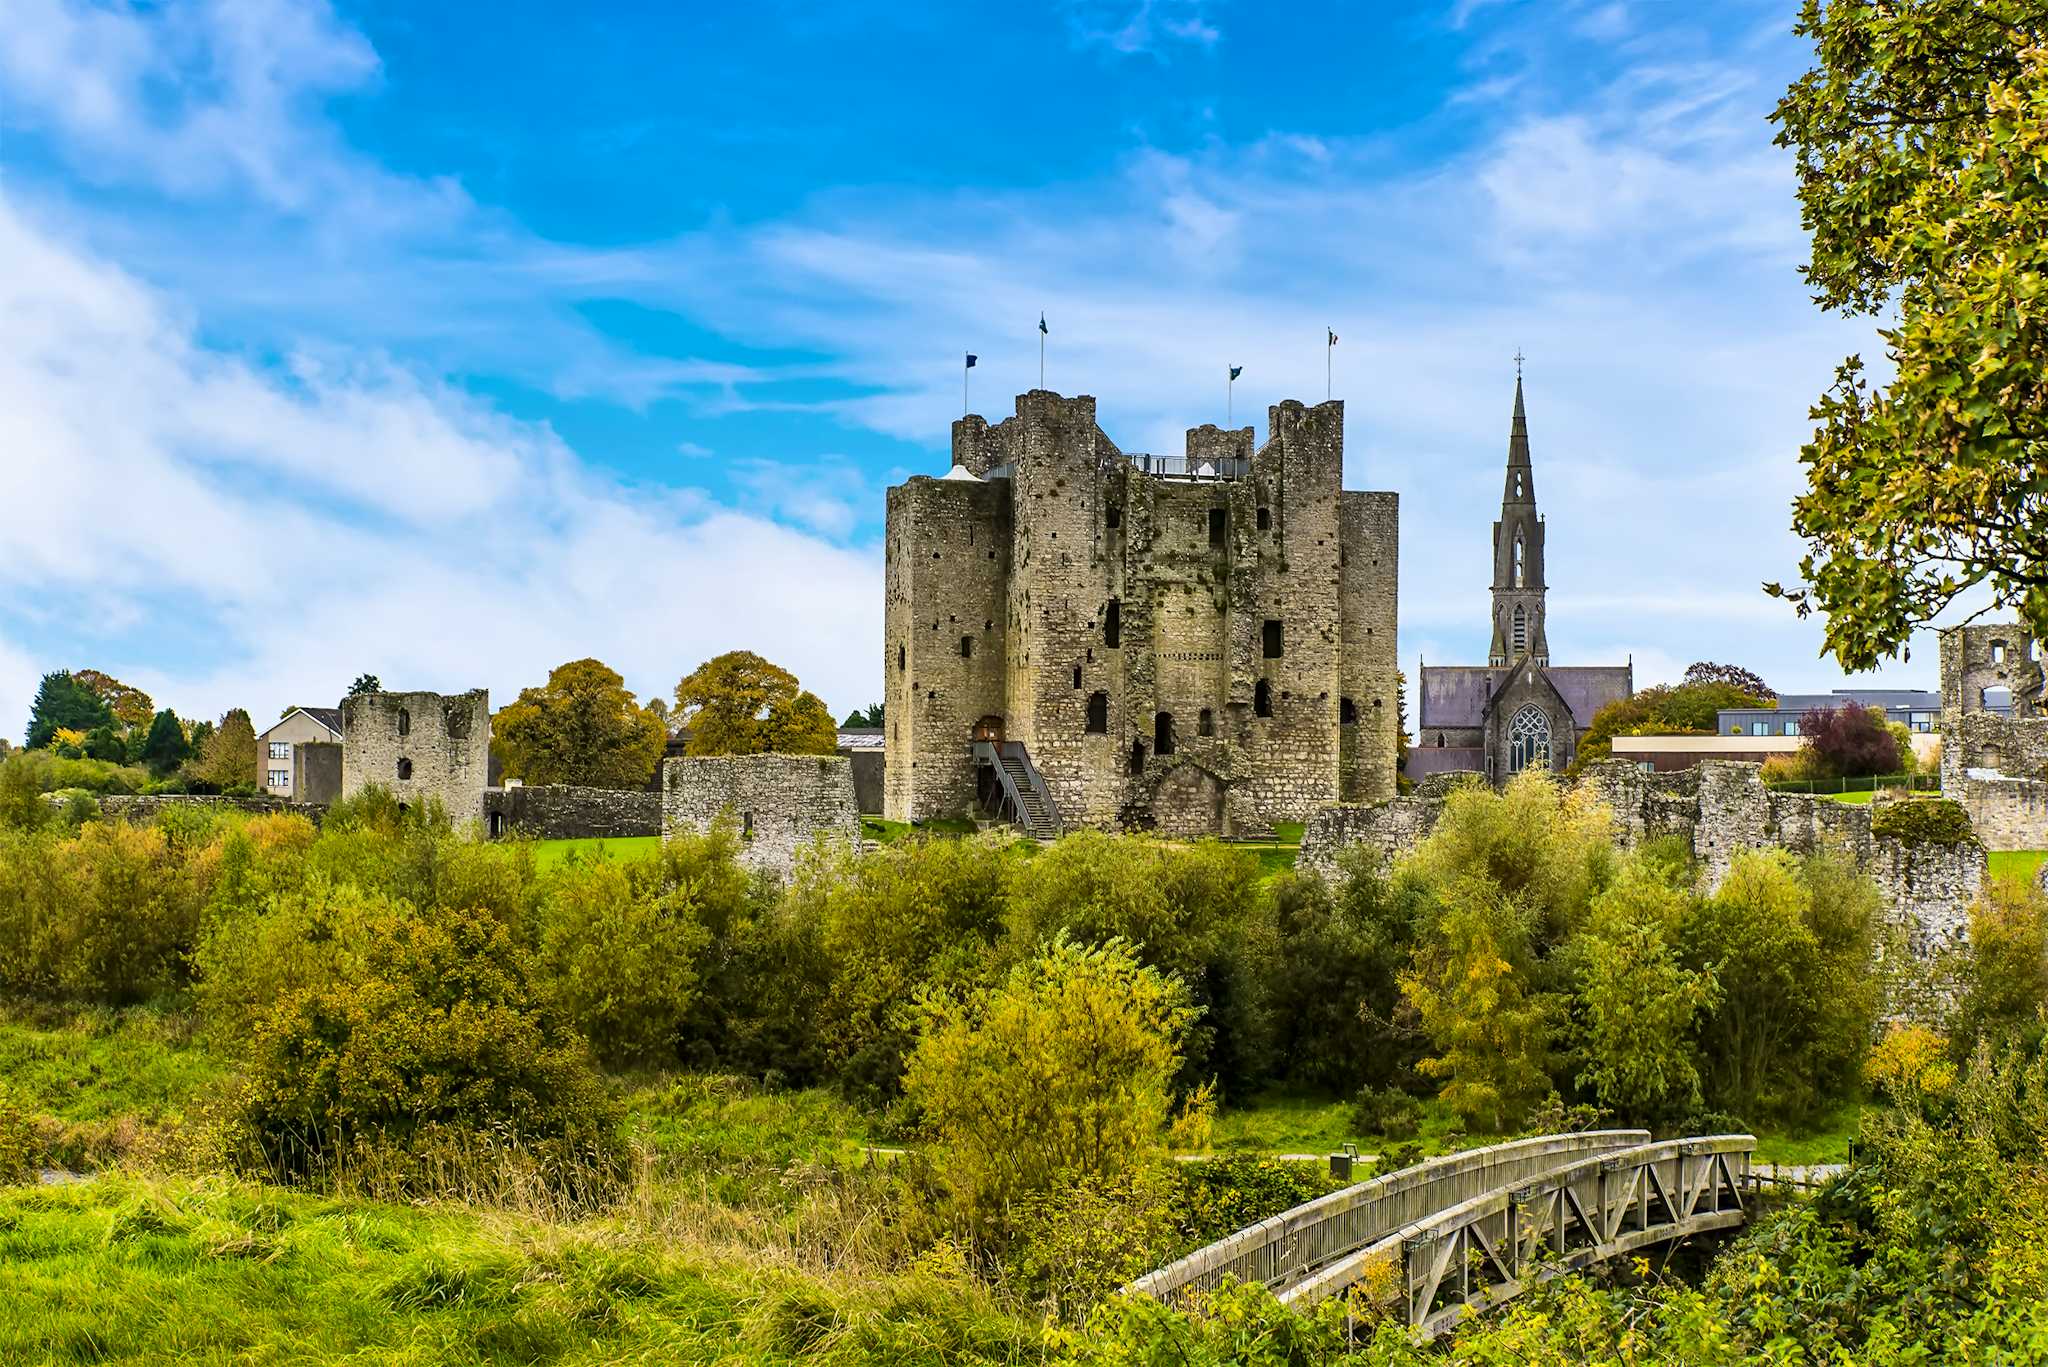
(1917, 783)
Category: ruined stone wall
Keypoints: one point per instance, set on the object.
(141, 808)
(419, 746)
(562, 811)
(316, 771)
(1990, 655)
(2006, 813)
(1391, 828)
(778, 805)
(944, 639)
(1369, 544)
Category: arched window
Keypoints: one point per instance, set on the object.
(1262, 699)
(1098, 714)
(1439, 740)
(404, 769)
(1205, 724)
(1518, 484)
(1528, 739)
(1521, 630)
(1520, 565)
(1162, 733)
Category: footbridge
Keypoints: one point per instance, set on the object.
(1459, 1234)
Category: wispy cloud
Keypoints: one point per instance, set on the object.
(1151, 27)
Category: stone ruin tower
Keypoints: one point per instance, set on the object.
(419, 745)
(1081, 637)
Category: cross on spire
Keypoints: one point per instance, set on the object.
(1518, 363)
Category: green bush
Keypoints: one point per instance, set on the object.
(105, 914)
(1386, 1111)
(1923, 821)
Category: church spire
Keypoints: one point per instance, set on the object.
(1518, 587)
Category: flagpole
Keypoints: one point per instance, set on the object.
(964, 409)
(1329, 358)
(1229, 382)
(1041, 351)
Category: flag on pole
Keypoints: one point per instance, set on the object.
(1333, 336)
(971, 359)
(1041, 322)
(1236, 371)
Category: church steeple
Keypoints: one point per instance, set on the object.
(1518, 588)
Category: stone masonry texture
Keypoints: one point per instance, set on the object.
(567, 812)
(1231, 631)
(1996, 766)
(419, 746)
(778, 805)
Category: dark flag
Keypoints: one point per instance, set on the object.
(1236, 371)
(1041, 322)
(971, 359)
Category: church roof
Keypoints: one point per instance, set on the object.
(1456, 695)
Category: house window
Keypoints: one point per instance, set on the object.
(280, 778)
(1270, 637)
(966, 647)
(1098, 713)
(1791, 728)
(280, 749)
(1759, 728)
(1347, 712)
(1528, 739)
(1265, 519)
(746, 825)
(404, 722)
(1262, 699)
(1219, 522)
(1205, 724)
(1162, 733)
(404, 770)
(1113, 624)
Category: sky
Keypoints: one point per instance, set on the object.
(452, 342)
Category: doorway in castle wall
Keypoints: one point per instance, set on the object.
(1188, 804)
(989, 728)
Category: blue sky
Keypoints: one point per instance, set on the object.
(450, 342)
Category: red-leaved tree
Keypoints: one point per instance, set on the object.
(1851, 741)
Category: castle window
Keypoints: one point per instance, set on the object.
(1113, 625)
(1519, 561)
(1998, 652)
(1205, 725)
(458, 723)
(966, 647)
(1113, 517)
(1347, 712)
(902, 659)
(1271, 638)
(404, 722)
(1137, 757)
(1219, 522)
(1262, 699)
(1439, 740)
(1077, 676)
(746, 825)
(1162, 733)
(1265, 519)
(1521, 630)
(1098, 713)
(1528, 739)
(404, 769)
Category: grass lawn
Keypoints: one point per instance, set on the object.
(1827, 1142)
(2016, 863)
(547, 853)
(101, 1085)
(1281, 1123)
(1853, 799)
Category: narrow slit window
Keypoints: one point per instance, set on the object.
(1205, 724)
(1265, 519)
(1219, 523)
(1347, 712)
(966, 647)
(1162, 734)
(1098, 713)
(1113, 625)
(1262, 699)
(1273, 639)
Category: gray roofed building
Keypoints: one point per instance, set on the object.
(1517, 709)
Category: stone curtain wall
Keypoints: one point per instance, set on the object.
(777, 804)
(567, 812)
(316, 771)
(444, 741)
(2007, 813)
(1195, 570)
(1719, 809)
(142, 808)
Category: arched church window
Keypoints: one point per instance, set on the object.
(1520, 570)
(1528, 739)
(1521, 630)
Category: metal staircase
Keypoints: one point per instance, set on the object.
(1025, 799)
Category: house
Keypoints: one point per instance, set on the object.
(1918, 710)
(289, 762)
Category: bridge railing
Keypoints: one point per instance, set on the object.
(1281, 1250)
(1485, 1250)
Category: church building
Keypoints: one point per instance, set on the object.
(1517, 709)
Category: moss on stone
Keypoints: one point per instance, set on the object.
(1936, 821)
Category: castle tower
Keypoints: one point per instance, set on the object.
(1518, 588)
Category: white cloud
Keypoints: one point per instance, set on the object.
(1127, 27)
(300, 527)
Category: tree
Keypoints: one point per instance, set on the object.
(739, 704)
(583, 727)
(1490, 1034)
(131, 706)
(1691, 708)
(871, 717)
(1851, 741)
(1922, 143)
(62, 702)
(230, 754)
(2003, 969)
(365, 683)
(1060, 1073)
(105, 743)
(1735, 676)
(165, 748)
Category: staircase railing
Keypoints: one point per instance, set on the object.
(993, 753)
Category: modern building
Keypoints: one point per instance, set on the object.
(1916, 709)
(1517, 709)
(278, 748)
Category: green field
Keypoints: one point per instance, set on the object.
(547, 853)
(2016, 863)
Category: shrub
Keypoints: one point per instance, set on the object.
(1543, 847)
(1333, 987)
(1061, 1072)
(1851, 742)
(1386, 1111)
(2002, 969)
(1923, 821)
(21, 795)
(104, 914)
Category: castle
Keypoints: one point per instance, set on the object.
(1517, 709)
(1080, 637)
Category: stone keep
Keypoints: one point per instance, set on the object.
(420, 746)
(1198, 645)
(1995, 765)
(777, 804)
